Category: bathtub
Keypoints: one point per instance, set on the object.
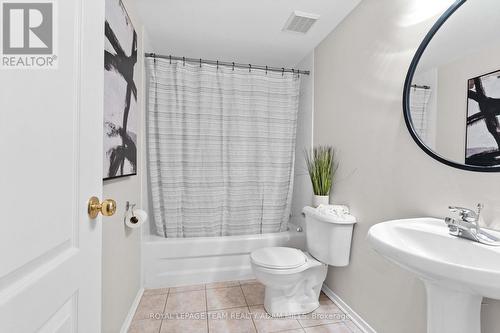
(185, 261)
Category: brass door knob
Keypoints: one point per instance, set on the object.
(107, 207)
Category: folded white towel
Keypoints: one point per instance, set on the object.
(338, 212)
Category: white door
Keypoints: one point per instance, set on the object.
(50, 165)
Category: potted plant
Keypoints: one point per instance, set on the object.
(321, 166)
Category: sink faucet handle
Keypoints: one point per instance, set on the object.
(479, 208)
(466, 214)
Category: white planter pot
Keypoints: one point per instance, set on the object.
(321, 200)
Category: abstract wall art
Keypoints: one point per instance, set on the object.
(483, 125)
(121, 119)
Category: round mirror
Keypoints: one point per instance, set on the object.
(452, 91)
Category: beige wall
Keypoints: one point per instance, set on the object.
(121, 257)
(359, 73)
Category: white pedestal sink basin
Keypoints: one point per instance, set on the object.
(457, 272)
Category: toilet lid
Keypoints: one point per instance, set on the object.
(278, 257)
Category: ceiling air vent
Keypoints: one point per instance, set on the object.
(300, 22)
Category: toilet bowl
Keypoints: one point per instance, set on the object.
(293, 278)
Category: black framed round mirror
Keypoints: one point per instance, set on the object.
(451, 99)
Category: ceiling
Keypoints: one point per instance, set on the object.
(234, 30)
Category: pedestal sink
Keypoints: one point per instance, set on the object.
(457, 272)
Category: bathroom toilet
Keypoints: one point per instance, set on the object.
(293, 278)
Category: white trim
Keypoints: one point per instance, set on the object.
(311, 77)
(355, 318)
(131, 312)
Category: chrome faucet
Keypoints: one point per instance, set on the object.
(468, 225)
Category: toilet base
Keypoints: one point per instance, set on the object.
(296, 299)
(286, 308)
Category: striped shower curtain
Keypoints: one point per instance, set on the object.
(221, 145)
(419, 100)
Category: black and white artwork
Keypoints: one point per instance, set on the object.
(120, 93)
(483, 125)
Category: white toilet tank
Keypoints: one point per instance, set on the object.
(329, 236)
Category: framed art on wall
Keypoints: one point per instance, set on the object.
(121, 119)
(483, 123)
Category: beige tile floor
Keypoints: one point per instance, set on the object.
(228, 307)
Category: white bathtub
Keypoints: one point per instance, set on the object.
(184, 261)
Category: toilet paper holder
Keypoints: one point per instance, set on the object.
(130, 207)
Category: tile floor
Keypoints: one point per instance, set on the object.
(228, 307)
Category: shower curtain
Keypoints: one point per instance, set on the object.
(221, 145)
(419, 100)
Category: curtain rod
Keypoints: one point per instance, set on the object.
(420, 87)
(228, 64)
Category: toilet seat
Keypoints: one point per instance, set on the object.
(283, 260)
(278, 258)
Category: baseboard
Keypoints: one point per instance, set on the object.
(356, 319)
(131, 312)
